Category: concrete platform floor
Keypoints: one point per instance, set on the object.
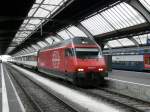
(131, 76)
(9, 99)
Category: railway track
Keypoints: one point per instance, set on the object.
(135, 105)
(36, 104)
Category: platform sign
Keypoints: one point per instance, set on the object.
(148, 41)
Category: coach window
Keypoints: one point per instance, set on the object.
(34, 58)
(148, 61)
(28, 58)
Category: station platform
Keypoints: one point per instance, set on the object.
(9, 99)
(130, 83)
(131, 76)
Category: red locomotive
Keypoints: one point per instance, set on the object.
(78, 60)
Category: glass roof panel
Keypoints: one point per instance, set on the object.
(26, 50)
(65, 34)
(25, 21)
(142, 39)
(40, 10)
(9, 49)
(137, 39)
(112, 19)
(49, 40)
(39, 1)
(30, 27)
(32, 10)
(97, 25)
(41, 13)
(41, 44)
(117, 17)
(34, 21)
(106, 46)
(52, 2)
(47, 7)
(17, 39)
(114, 43)
(140, 19)
(21, 34)
(55, 39)
(122, 16)
(75, 31)
(35, 47)
(146, 4)
(44, 43)
(31, 49)
(126, 42)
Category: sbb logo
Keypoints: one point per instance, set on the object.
(55, 59)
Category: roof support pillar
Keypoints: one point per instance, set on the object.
(140, 8)
(106, 43)
(26, 50)
(38, 46)
(30, 49)
(48, 44)
(23, 51)
(110, 49)
(83, 29)
(59, 37)
(134, 41)
(33, 48)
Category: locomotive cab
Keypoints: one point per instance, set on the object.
(86, 60)
(90, 65)
(78, 60)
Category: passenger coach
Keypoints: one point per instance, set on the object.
(138, 61)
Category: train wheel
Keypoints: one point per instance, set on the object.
(75, 82)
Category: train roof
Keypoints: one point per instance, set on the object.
(75, 40)
(127, 51)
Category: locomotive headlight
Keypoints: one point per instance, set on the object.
(80, 69)
(100, 69)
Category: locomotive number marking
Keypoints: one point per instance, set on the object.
(55, 59)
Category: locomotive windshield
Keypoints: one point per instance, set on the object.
(87, 53)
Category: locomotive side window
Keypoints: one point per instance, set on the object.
(69, 52)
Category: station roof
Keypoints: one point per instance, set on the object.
(12, 13)
(112, 23)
